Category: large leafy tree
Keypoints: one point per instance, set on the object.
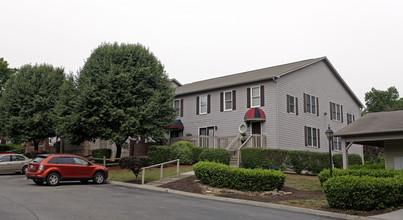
(379, 100)
(5, 73)
(29, 103)
(123, 91)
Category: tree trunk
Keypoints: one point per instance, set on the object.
(36, 145)
(118, 150)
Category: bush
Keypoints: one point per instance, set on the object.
(183, 150)
(375, 166)
(134, 163)
(353, 159)
(215, 155)
(263, 158)
(364, 193)
(306, 160)
(221, 175)
(100, 153)
(160, 154)
(380, 173)
(9, 147)
(196, 153)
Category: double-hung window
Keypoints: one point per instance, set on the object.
(350, 118)
(311, 104)
(177, 106)
(227, 101)
(255, 96)
(203, 104)
(337, 143)
(336, 112)
(312, 137)
(292, 104)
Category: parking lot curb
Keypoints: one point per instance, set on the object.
(246, 202)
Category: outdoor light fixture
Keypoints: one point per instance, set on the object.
(329, 134)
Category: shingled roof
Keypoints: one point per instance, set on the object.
(257, 76)
(374, 123)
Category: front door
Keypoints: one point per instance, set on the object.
(256, 132)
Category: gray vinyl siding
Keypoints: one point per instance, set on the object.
(283, 130)
(393, 148)
(319, 81)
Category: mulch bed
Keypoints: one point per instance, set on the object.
(191, 184)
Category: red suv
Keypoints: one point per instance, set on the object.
(56, 167)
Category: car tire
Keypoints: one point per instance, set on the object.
(24, 169)
(53, 179)
(38, 182)
(98, 178)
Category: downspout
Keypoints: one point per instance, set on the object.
(277, 111)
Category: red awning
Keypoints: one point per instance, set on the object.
(255, 114)
(177, 125)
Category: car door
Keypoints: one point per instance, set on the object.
(64, 165)
(5, 163)
(83, 167)
(17, 162)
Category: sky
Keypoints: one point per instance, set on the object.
(197, 40)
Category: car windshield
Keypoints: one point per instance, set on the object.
(39, 159)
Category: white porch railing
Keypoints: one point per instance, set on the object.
(206, 141)
(161, 165)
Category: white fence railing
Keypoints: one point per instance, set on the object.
(161, 165)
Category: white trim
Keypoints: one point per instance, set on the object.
(251, 96)
(224, 101)
(310, 109)
(312, 138)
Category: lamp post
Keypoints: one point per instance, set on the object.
(329, 134)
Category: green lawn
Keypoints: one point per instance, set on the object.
(125, 175)
(303, 182)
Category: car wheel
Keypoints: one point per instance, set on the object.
(84, 181)
(53, 179)
(99, 178)
(24, 169)
(38, 182)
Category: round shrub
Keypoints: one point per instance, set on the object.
(196, 153)
(375, 166)
(182, 150)
(221, 175)
(363, 193)
(215, 155)
(160, 154)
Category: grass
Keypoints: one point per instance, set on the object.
(310, 183)
(317, 203)
(125, 175)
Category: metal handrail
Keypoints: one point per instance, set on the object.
(143, 169)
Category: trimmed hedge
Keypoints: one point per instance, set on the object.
(375, 166)
(100, 153)
(9, 147)
(364, 193)
(160, 154)
(221, 175)
(306, 160)
(215, 155)
(183, 150)
(196, 153)
(353, 159)
(263, 158)
(380, 173)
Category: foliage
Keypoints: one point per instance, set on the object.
(160, 154)
(306, 160)
(378, 100)
(183, 150)
(123, 91)
(215, 155)
(375, 166)
(134, 163)
(9, 147)
(364, 193)
(221, 175)
(263, 158)
(325, 174)
(196, 153)
(373, 155)
(28, 103)
(100, 153)
(353, 159)
(5, 73)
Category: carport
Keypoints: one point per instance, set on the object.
(381, 129)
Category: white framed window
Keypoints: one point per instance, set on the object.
(350, 118)
(337, 143)
(206, 141)
(292, 104)
(255, 96)
(312, 137)
(336, 112)
(177, 106)
(310, 104)
(227, 101)
(203, 104)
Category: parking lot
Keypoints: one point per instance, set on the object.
(23, 199)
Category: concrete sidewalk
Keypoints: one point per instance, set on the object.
(396, 215)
